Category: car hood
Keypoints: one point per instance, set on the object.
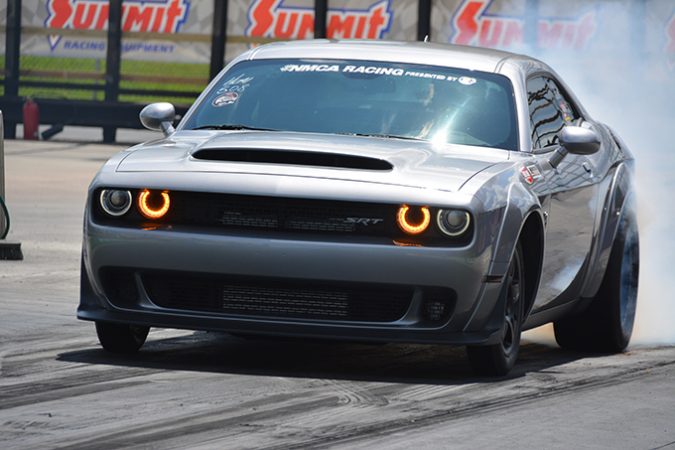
(398, 162)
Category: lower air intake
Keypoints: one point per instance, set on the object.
(279, 298)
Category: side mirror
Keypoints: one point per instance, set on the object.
(579, 140)
(575, 140)
(159, 117)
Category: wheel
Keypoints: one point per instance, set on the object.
(498, 359)
(606, 326)
(121, 338)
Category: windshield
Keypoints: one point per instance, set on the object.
(395, 100)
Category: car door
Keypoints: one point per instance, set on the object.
(570, 193)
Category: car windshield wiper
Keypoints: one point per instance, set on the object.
(231, 127)
(388, 136)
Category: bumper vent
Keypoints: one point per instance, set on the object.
(278, 298)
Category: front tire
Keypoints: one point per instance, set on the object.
(498, 359)
(121, 338)
(607, 325)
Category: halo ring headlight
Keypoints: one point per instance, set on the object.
(115, 202)
(153, 211)
(453, 222)
(404, 221)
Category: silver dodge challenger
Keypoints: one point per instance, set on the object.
(369, 191)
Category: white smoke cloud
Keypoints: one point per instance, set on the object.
(633, 91)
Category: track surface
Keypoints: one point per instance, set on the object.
(207, 390)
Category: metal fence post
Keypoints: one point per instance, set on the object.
(113, 57)
(12, 56)
(3, 224)
(320, 18)
(218, 37)
(423, 19)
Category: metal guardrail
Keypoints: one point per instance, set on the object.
(80, 112)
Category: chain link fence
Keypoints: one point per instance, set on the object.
(76, 61)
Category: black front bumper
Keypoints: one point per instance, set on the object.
(410, 328)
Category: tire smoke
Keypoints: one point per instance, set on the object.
(633, 91)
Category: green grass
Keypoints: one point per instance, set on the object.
(132, 67)
(97, 66)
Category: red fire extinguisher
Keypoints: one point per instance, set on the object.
(31, 119)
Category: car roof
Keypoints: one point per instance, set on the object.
(448, 55)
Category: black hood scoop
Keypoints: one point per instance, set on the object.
(291, 157)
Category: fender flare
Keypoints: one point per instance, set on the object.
(523, 215)
(619, 202)
(521, 204)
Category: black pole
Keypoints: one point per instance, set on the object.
(113, 57)
(531, 24)
(12, 57)
(218, 37)
(320, 18)
(423, 19)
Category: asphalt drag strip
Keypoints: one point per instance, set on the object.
(188, 389)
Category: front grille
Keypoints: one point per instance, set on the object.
(282, 214)
(278, 298)
(283, 217)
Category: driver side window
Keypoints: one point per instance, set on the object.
(550, 111)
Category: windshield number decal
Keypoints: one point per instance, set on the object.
(235, 84)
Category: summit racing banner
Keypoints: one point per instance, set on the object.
(473, 25)
(593, 29)
(180, 29)
(187, 24)
(250, 21)
(272, 18)
(158, 17)
(173, 18)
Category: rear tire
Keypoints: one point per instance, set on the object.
(606, 326)
(498, 359)
(121, 338)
